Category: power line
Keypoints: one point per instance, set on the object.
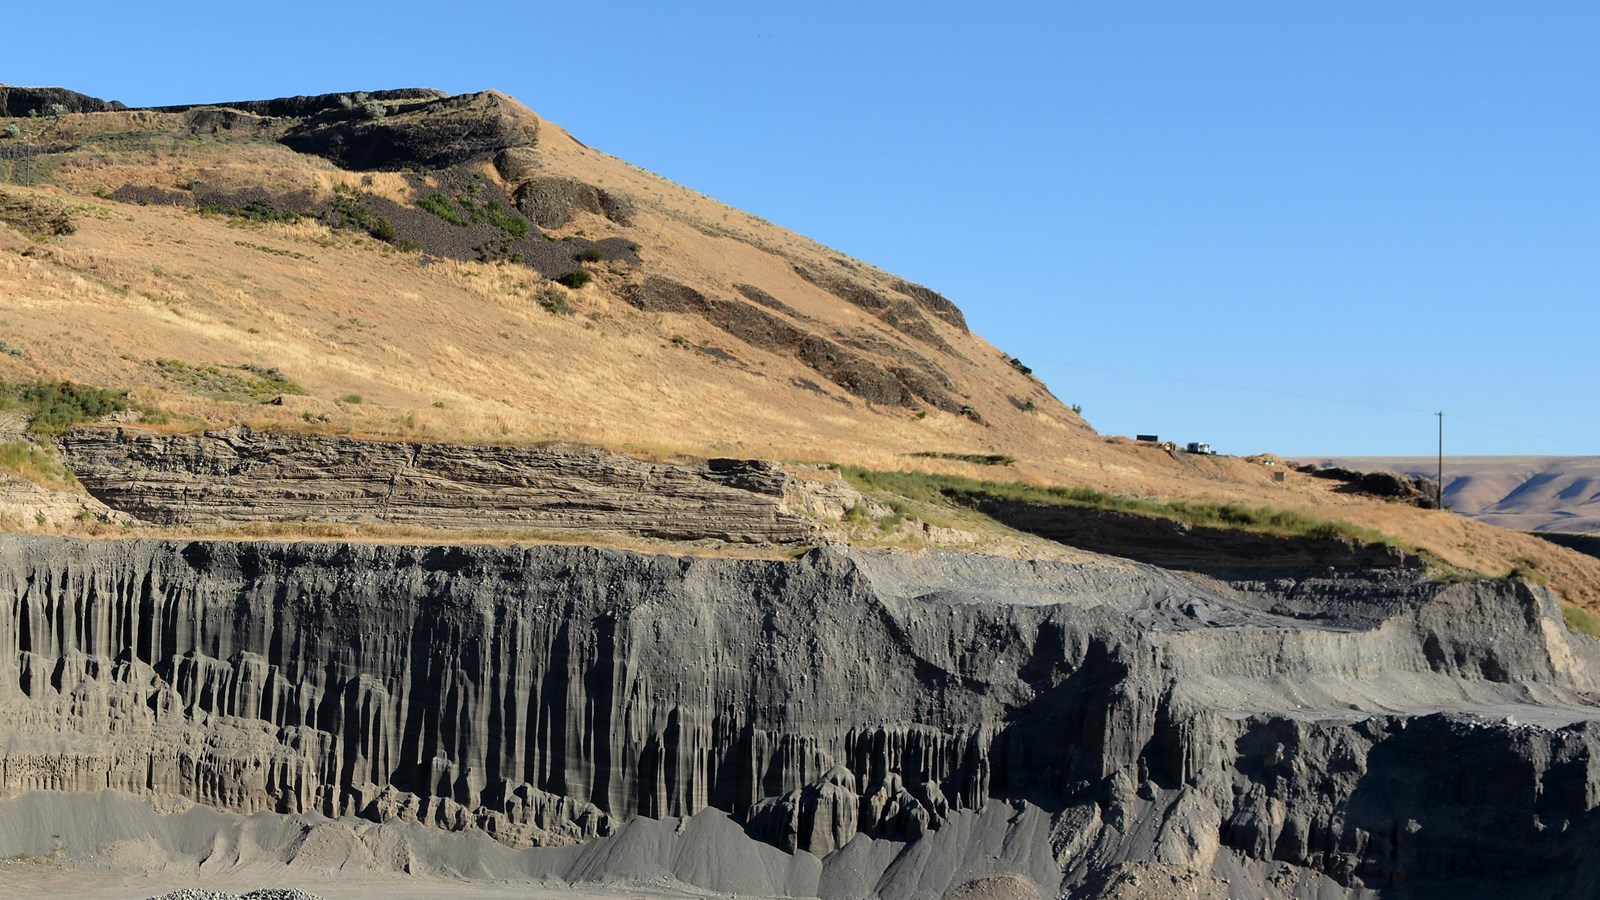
(1297, 395)
(1528, 434)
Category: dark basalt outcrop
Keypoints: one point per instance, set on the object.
(902, 315)
(1409, 489)
(552, 202)
(302, 106)
(16, 102)
(865, 708)
(861, 375)
(434, 134)
(933, 302)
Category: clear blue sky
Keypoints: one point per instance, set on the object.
(1299, 227)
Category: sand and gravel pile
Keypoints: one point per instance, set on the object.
(259, 894)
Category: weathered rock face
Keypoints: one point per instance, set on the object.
(1408, 489)
(436, 133)
(235, 476)
(909, 385)
(1090, 715)
(302, 106)
(553, 202)
(16, 102)
(25, 503)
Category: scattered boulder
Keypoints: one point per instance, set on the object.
(517, 164)
(617, 208)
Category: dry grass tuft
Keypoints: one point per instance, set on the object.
(42, 467)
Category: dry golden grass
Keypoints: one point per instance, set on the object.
(463, 352)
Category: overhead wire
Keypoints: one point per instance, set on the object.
(1303, 396)
(1254, 389)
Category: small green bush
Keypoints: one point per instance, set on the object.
(238, 384)
(1580, 619)
(592, 253)
(55, 406)
(858, 515)
(383, 230)
(348, 211)
(262, 211)
(463, 211)
(352, 399)
(977, 459)
(444, 208)
(513, 226)
(553, 301)
(576, 279)
(1525, 569)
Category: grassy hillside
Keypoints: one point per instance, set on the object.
(409, 265)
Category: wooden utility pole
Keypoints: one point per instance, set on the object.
(1440, 414)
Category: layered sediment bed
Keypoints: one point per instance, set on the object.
(859, 707)
(242, 476)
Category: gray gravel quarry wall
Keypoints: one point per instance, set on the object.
(1061, 721)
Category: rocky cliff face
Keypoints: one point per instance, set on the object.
(859, 707)
(16, 102)
(235, 476)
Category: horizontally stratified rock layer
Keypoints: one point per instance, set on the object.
(239, 475)
(548, 694)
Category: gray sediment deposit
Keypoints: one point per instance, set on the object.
(847, 723)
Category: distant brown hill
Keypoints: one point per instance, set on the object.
(1525, 493)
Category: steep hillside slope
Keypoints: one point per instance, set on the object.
(409, 265)
(432, 494)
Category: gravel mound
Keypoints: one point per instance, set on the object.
(258, 894)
